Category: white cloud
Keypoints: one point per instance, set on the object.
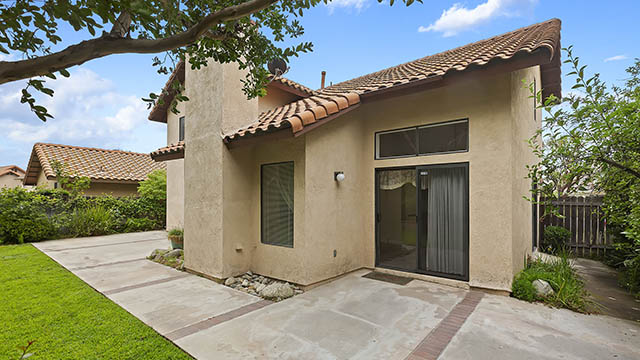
(354, 4)
(87, 109)
(459, 18)
(616, 58)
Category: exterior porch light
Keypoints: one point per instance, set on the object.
(338, 176)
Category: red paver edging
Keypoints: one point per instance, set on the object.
(434, 344)
(213, 321)
(144, 284)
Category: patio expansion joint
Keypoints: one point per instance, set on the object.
(215, 320)
(432, 346)
(145, 284)
(100, 245)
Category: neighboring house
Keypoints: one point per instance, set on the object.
(418, 168)
(112, 172)
(11, 176)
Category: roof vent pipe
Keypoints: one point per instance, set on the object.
(324, 74)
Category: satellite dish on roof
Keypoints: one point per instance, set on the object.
(277, 67)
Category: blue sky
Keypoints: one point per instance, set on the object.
(101, 106)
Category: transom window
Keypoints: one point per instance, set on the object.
(276, 204)
(451, 136)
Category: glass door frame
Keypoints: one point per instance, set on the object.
(419, 210)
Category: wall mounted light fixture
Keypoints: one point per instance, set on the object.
(338, 176)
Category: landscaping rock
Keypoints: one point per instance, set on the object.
(245, 283)
(277, 290)
(542, 288)
(173, 254)
(157, 252)
(230, 281)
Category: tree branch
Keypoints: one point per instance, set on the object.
(107, 45)
(620, 166)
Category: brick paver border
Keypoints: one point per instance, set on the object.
(215, 320)
(434, 344)
(105, 264)
(145, 284)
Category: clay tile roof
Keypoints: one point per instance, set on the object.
(170, 152)
(292, 86)
(335, 100)
(525, 40)
(159, 111)
(11, 169)
(97, 164)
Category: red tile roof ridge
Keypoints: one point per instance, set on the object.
(90, 148)
(475, 43)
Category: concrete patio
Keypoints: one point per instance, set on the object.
(350, 318)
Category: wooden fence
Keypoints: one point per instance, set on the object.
(583, 216)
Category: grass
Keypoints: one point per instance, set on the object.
(41, 301)
(568, 287)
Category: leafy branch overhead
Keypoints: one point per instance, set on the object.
(250, 33)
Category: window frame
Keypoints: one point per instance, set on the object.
(181, 130)
(262, 240)
(376, 138)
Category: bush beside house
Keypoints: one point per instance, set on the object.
(42, 214)
(568, 289)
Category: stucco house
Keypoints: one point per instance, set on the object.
(418, 169)
(11, 176)
(113, 172)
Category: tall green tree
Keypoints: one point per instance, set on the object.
(590, 141)
(248, 32)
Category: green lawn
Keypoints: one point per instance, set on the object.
(41, 301)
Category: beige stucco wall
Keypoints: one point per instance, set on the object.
(222, 186)
(175, 171)
(213, 183)
(524, 125)
(96, 188)
(275, 97)
(10, 181)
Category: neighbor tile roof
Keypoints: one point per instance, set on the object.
(97, 164)
(169, 152)
(11, 169)
(297, 115)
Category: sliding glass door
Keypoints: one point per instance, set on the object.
(422, 219)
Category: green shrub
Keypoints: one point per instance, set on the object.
(91, 221)
(43, 214)
(142, 224)
(23, 217)
(568, 287)
(555, 239)
(176, 232)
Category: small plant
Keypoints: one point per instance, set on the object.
(176, 235)
(176, 232)
(25, 348)
(568, 288)
(555, 239)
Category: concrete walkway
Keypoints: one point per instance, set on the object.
(350, 318)
(602, 282)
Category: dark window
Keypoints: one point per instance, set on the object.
(181, 129)
(397, 143)
(422, 140)
(276, 204)
(446, 137)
